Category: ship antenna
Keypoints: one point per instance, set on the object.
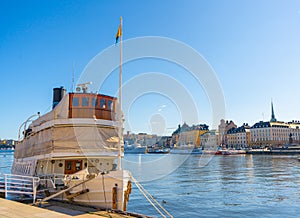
(73, 75)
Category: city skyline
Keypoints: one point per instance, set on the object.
(252, 46)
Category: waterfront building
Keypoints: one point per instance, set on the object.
(189, 135)
(239, 137)
(7, 143)
(224, 127)
(143, 139)
(274, 133)
(164, 141)
(210, 140)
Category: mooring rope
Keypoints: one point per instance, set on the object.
(146, 194)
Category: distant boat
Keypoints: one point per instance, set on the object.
(7, 149)
(135, 149)
(158, 150)
(185, 149)
(212, 152)
(232, 151)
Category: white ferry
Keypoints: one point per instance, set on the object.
(75, 151)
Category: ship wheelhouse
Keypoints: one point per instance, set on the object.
(88, 105)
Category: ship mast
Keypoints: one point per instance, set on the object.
(120, 118)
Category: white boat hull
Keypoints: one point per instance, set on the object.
(107, 190)
(100, 194)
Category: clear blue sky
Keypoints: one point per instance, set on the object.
(253, 46)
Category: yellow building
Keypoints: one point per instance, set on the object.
(189, 135)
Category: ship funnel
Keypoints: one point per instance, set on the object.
(58, 94)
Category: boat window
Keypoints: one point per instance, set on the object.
(85, 101)
(77, 167)
(110, 104)
(94, 102)
(75, 102)
(102, 103)
(69, 166)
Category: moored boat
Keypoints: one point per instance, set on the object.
(7, 150)
(158, 150)
(186, 150)
(232, 152)
(75, 151)
(135, 149)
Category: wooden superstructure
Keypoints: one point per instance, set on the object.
(89, 105)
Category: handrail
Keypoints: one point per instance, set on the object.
(52, 178)
(28, 185)
(24, 124)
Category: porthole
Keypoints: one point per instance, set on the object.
(60, 164)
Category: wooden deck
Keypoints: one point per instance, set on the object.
(13, 209)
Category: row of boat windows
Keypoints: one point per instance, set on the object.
(77, 165)
(92, 102)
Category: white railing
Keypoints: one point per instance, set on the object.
(2, 184)
(17, 184)
(53, 179)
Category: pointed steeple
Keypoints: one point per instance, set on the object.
(273, 119)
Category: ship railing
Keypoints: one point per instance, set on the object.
(19, 185)
(2, 183)
(54, 179)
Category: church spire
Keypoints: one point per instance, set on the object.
(273, 119)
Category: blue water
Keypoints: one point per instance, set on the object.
(227, 186)
(217, 186)
(6, 160)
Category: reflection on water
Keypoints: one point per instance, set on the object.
(228, 186)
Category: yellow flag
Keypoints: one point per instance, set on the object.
(119, 34)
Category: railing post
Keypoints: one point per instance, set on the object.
(33, 190)
(5, 185)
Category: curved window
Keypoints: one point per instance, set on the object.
(102, 103)
(110, 105)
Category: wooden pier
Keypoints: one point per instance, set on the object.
(13, 209)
